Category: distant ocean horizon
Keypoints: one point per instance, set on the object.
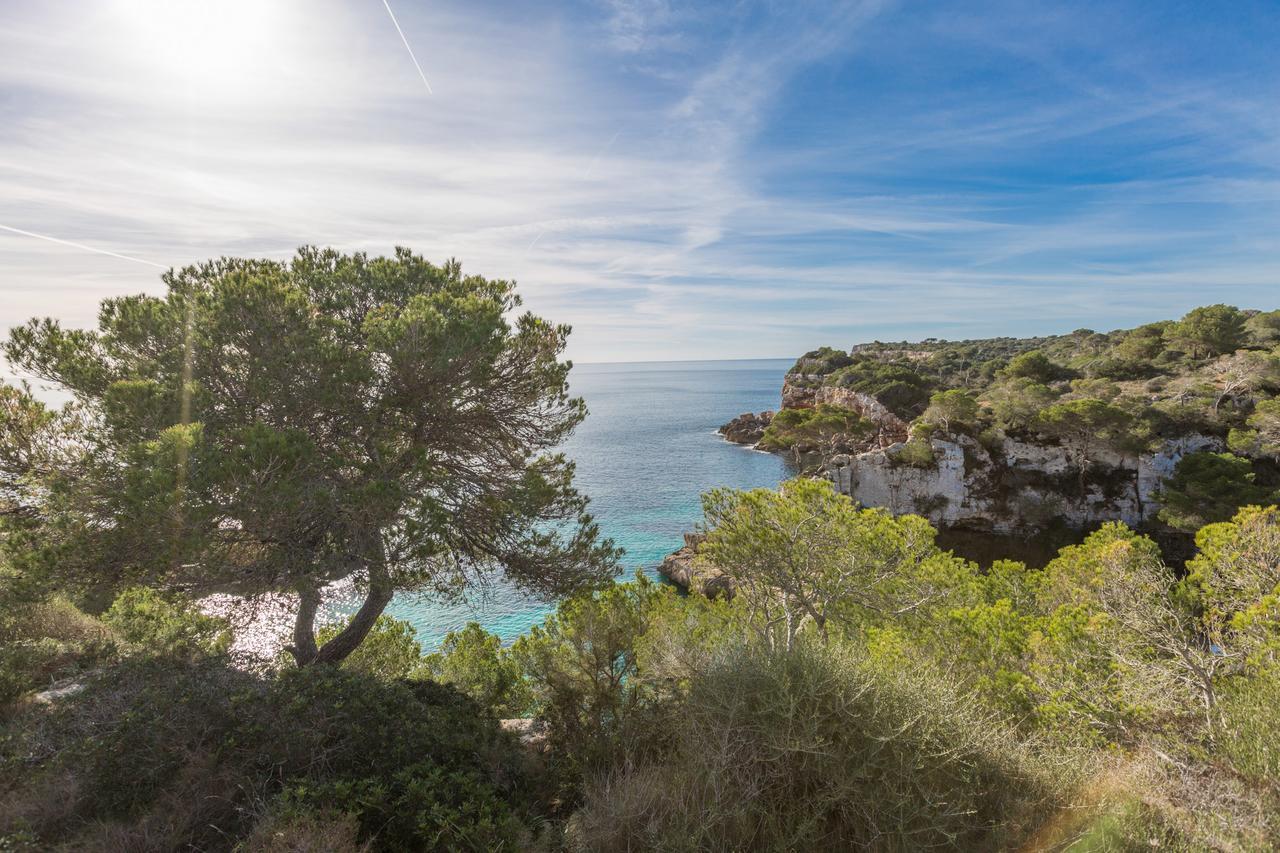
(645, 454)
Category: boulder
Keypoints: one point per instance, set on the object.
(746, 428)
(678, 568)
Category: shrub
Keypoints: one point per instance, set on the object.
(389, 651)
(903, 390)
(166, 624)
(821, 361)
(818, 749)
(584, 667)
(952, 409)
(917, 451)
(164, 753)
(830, 427)
(46, 641)
(1209, 487)
(1208, 330)
(325, 831)
(1250, 719)
(1033, 365)
(474, 661)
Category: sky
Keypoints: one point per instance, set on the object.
(677, 181)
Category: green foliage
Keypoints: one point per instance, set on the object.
(1087, 421)
(1087, 425)
(389, 651)
(1208, 331)
(954, 409)
(157, 623)
(1235, 581)
(1209, 487)
(1101, 389)
(1262, 437)
(902, 389)
(1033, 365)
(163, 754)
(1263, 328)
(280, 425)
(1250, 720)
(821, 361)
(818, 749)
(44, 641)
(1017, 403)
(823, 426)
(474, 661)
(1135, 354)
(917, 450)
(584, 668)
(804, 555)
(1117, 647)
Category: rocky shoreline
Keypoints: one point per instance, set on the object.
(993, 482)
(997, 483)
(747, 428)
(678, 568)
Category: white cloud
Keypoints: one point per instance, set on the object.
(621, 182)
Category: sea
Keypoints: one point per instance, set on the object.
(645, 454)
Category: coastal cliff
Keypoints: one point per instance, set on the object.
(1011, 486)
(1012, 436)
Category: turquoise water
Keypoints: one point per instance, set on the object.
(644, 455)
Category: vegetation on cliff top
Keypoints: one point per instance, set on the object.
(1214, 373)
(1205, 371)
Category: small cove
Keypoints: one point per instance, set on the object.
(645, 454)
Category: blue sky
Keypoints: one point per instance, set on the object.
(710, 180)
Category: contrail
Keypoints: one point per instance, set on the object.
(406, 47)
(82, 246)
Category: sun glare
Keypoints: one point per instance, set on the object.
(230, 50)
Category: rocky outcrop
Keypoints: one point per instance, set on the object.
(532, 734)
(799, 391)
(1011, 486)
(678, 567)
(867, 407)
(746, 428)
(805, 392)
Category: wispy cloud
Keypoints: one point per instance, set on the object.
(733, 179)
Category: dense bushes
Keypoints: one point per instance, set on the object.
(1209, 487)
(42, 643)
(163, 753)
(160, 625)
(823, 427)
(588, 682)
(474, 661)
(818, 749)
(861, 689)
(390, 650)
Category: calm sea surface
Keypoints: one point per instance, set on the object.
(644, 455)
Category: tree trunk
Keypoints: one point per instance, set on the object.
(350, 637)
(347, 640)
(304, 633)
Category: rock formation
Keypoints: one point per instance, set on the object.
(746, 428)
(1009, 485)
(678, 568)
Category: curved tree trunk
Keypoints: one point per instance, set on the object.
(350, 637)
(347, 640)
